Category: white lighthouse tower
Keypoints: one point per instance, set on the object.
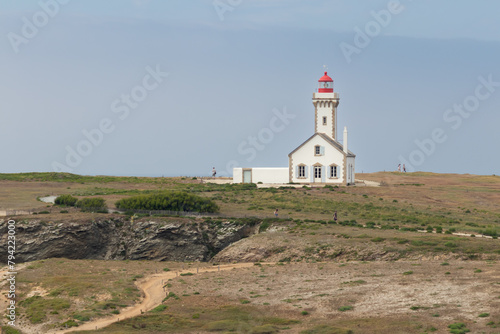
(325, 103)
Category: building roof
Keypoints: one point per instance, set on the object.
(329, 140)
(325, 78)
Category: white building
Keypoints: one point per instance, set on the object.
(321, 158)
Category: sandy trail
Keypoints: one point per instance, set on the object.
(154, 294)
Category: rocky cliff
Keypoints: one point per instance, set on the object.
(119, 238)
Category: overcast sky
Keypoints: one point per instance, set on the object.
(152, 87)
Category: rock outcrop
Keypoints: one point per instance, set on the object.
(118, 238)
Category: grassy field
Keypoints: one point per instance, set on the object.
(466, 203)
(322, 297)
(415, 255)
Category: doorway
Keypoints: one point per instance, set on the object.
(247, 176)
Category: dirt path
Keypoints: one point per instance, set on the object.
(154, 294)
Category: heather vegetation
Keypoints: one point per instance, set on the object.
(172, 201)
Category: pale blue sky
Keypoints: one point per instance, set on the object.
(225, 78)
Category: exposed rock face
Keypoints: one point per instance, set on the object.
(117, 238)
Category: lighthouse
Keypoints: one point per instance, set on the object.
(320, 159)
(325, 103)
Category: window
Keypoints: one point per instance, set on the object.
(333, 172)
(324, 120)
(302, 171)
(317, 172)
(319, 150)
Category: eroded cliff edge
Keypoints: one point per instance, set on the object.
(120, 238)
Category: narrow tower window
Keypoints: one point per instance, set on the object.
(324, 120)
(317, 150)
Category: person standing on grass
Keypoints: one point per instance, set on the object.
(276, 213)
(404, 168)
(399, 168)
(214, 172)
(335, 216)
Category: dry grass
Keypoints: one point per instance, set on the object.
(88, 288)
(296, 297)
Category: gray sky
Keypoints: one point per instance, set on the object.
(151, 87)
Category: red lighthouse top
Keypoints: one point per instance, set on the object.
(325, 84)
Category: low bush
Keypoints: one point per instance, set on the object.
(345, 308)
(95, 204)
(171, 201)
(66, 200)
(159, 308)
(458, 328)
(10, 330)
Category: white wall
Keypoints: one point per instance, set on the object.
(237, 175)
(264, 175)
(305, 155)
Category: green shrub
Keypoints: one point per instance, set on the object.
(81, 317)
(345, 308)
(378, 239)
(484, 315)
(95, 204)
(36, 307)
(10, 330)
(69, 324)
(66, 200)
(171, 201)
(172, 295)
(491, 232)
(326, 329)
(160, 308)
(264, 226)
(264, 329)
(458, 328)
(228, 325)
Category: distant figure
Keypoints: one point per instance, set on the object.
(214, 172)
(399, 168)
(276, 213)
(335, 216)
(404, 168)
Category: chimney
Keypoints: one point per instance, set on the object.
(345, 140)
